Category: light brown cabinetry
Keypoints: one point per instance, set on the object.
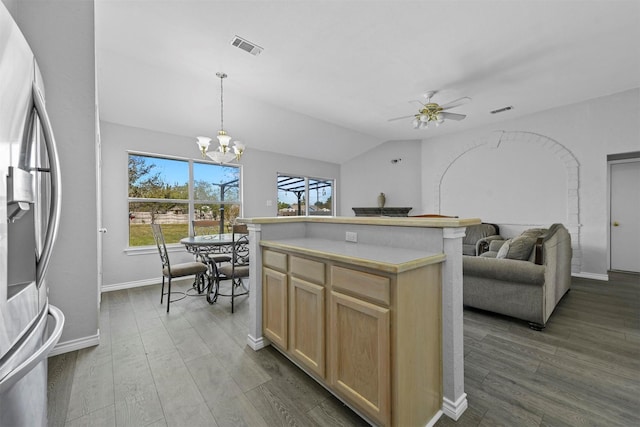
(306, 324)
(370, 335)
(359, 357)
(274, 297)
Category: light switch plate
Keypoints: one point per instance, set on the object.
(351, 236)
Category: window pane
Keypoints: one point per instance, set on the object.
(225, 214)
(174, 218)
(157, 178)
(216, 182)
(291, 199)
(320, 197)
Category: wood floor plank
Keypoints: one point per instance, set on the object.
(103, 417)
(237, 412)
(189, 344)
(182, 402)
(60, 380)
(276, 409)
(332, 413)
(93, 387)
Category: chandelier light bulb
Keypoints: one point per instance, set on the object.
(203, 143)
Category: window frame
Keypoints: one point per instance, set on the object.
(190, 202)
(307, 192)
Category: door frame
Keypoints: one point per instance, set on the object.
(613, 159)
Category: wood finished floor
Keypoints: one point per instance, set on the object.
(192, 367)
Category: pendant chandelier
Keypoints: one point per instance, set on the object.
(224, 153)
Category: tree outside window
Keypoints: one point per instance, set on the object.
(159, 192)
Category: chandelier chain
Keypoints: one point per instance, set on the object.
(221, 103)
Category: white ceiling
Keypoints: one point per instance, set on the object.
(333, 72)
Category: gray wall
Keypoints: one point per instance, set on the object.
(61, 34)
(123, 268)
(372, 173)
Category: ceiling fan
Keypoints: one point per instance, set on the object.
(432, 112)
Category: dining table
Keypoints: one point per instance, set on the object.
(203, 247)
(208, 244)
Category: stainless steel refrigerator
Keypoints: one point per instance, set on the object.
(29, 212)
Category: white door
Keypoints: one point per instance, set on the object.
(625, 215)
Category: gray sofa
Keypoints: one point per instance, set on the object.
(524, 277)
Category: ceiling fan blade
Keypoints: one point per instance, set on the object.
(400, 118)
(452, 116)
(455, 103)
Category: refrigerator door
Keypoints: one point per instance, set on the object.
(29, 190)
(23, 390)
(20, 302)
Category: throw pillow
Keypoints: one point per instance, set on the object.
(517, 248)
(504, 249)
(521, 247)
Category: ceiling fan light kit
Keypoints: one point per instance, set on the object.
(432, 112)
(223, 154)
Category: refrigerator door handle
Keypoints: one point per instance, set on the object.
(54, 170)
(37, 357)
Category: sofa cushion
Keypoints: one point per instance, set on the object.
(507, 270)
(517, 248)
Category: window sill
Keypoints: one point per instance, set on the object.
(148, 250)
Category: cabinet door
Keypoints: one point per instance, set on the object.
(359, 359)
(274, 306)
(306, 332)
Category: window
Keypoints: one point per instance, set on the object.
(172, 192)
(294, 191)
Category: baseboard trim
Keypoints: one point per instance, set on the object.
(434, 420)
(257, 343)
(130, 285)
(593, 276)
(77, 344)
(455, 409)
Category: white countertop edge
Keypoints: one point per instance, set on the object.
(394, 221)
(390, 259)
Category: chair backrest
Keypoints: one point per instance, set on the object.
(240, 244)
(158, 236)
(205, 226)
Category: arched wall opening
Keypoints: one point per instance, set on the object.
(518, 180)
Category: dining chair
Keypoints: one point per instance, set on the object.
(203, 227)
(194, 268)
(237, 269)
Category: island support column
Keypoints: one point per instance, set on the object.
(454, 399)
(255, 340)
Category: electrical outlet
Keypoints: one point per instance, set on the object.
(269, 203)
(351, 236)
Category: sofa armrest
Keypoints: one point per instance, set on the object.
(508, 270)
(482, 245)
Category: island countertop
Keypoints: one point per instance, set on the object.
(394, 221)
(389, 259)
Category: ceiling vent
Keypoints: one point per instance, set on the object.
(502, 110)
(246, 45)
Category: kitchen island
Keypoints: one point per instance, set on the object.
(369, 307)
